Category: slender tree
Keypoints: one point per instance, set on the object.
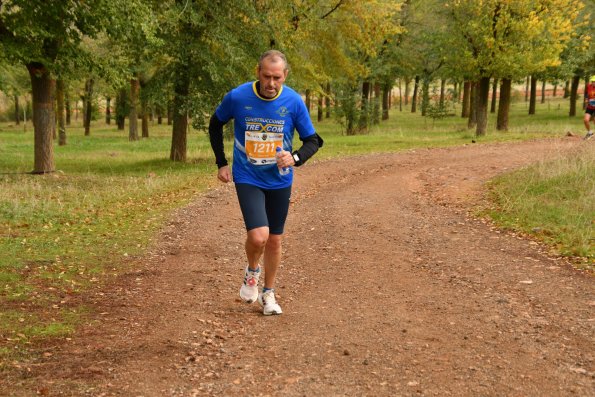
(533, 94)
(494, 95)
(414, 97)
(88, 100)
(133, 115)
(482, 106)
(60, 112)
(108, 110)
(504, 105)
(320, 111)
(574, 94)
(54, 43)
(466, 99)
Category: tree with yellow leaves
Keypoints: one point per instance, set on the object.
(510, 38)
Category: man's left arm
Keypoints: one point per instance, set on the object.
(310, 146)
(311, 141)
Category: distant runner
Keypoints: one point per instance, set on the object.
(265, 114)
(590, 108)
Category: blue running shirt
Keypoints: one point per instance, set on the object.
(260, 125)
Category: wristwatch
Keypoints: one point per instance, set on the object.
(296, 158)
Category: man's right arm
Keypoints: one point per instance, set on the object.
(216, 138)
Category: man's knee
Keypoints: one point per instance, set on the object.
(274, 241)
(258, 237)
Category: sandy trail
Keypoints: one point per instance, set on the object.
(388, 288)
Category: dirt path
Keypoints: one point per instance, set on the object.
(388, 288)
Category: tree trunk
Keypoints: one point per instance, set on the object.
(121, 109)
(527, 88)
(407, 89)
(483, 96)
(566, 89)
(320, 109)
(328, 100)
(442, 91)
(308, 100)
(425, 95)
(574, 95)
(180, 119)
(26, 109)
(494, 95)
(414, 98)
(84, 109)
(145, 122)
(67, 107)
(376, 104)
(54, 108)
(504, 105)
(533, 99)
(133, 115)
(466, 99)
(363, 117)
(108, 110)
(472, 122)
(60, 112)
(170, 112)
(400, 97)
(390, 98)
(43, 118)
(385, 96)
(555, 90)
(17, 116)
(88, 106)
(144, 108)
(159, 112)
(543, 91)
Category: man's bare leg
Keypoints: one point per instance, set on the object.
(272, 259)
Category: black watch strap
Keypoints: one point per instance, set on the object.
(296, 158)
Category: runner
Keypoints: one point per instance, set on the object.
(265, 114)
(590, 108)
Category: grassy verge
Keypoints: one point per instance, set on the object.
(552, 200)
(65, 232)
(62, 233)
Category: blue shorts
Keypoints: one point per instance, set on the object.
(590, 111)
(264, 207)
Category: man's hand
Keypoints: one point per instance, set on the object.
(284, 159)
(224, 174)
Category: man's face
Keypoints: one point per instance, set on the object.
(271, 75)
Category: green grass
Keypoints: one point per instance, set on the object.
(553, 200)
(63, 233)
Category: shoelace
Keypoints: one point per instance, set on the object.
(268, 298)
(251, 278)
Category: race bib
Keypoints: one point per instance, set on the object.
(261, 146)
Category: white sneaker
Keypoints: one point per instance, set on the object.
(589, 135)
(269, 303)
(249, 289)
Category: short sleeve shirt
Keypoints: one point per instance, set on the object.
(260, 125)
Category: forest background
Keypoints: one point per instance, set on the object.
(156, 70)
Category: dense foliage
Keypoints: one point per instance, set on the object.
(183, 55)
